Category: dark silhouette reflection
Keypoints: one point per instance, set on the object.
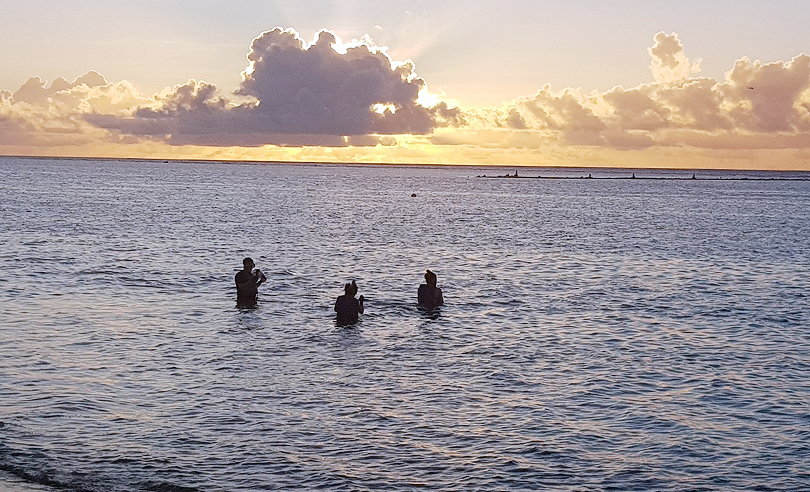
(349, 308)
(430, 314)
(430, 296)
(248, 281)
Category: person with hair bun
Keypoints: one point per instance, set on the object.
(348, 307)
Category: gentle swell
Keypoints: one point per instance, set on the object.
(597, 334)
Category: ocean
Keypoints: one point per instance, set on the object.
(604, 334)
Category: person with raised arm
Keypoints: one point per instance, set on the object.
(248, 281)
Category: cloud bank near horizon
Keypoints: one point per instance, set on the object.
(330, 93)
(757, 106)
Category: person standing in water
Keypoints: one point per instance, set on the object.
(430, 296)
(248, 281)
(349, 308)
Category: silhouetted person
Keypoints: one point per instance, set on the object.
(248, 281)
(430, 296)
(349, 308)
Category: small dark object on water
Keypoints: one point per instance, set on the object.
(413, 195)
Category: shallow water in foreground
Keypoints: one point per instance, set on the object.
(598, 334)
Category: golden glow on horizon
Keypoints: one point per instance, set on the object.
(757, 117)
(417, 150)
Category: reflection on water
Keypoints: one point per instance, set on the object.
(596, 334)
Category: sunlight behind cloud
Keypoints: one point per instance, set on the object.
(326, 94)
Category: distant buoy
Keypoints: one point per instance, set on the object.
(413, 195)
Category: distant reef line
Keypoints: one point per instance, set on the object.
(633, 176)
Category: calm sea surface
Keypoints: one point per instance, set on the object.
(598, 334)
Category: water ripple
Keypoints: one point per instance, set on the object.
(601, 335)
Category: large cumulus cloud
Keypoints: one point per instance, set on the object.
(757, 105)
(322, 93)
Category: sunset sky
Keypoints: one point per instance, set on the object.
(704, 84)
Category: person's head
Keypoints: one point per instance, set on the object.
(430, 278)
(349, 290)
(248, 264)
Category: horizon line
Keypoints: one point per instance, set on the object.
(413, 164)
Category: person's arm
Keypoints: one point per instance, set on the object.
(360, 305)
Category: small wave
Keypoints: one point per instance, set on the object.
(167, 487)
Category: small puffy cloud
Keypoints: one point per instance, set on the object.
(669, 63)
(33, 91)
(298, 94)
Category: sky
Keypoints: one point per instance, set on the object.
(618, 83)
